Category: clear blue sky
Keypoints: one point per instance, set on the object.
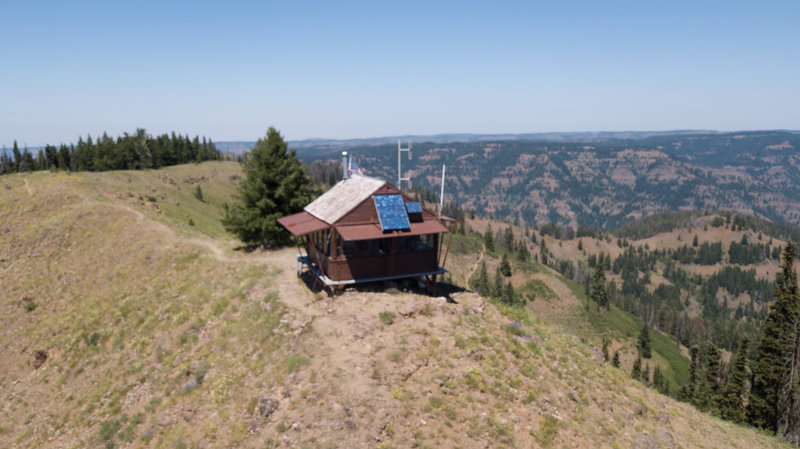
(229, 70)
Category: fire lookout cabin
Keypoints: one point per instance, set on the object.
(364, 230)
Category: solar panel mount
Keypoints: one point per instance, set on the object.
(391, 212)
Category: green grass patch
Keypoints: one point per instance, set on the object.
(471, 243)
(623, 325)
(536, 289)
(295, 362)
(386, 317)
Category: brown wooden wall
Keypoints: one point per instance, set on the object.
(379, 266)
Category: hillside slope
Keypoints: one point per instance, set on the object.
(151, 332)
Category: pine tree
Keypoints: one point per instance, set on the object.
(498, 286)
(509, 297)
(198, 193)
(772, 351)
(275, 185)
(734, 394)
(606, 343)
(488, 240)
(615, 360)
(505, 266)
(693, 370)
(508, 239)
(636, 372)
(646, 374)
(480, 280)
(713, 369)
(17, 157)
(702, 393)
(644, 341)
(598, 288)
(695, 242)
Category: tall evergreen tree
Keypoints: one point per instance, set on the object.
(702, 393)
(488, 240)
(636, 371)
(505, 266)
(17, 157)
(713, 369)
(772, 351)
(644, 341)
(598, 287)
(694, 369)
(275, 185)
(734, 394)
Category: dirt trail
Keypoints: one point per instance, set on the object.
(28, 187)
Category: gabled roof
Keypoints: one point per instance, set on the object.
(343, 197)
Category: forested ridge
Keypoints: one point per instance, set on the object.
(127, 152)
(731, 309)
(603, 183)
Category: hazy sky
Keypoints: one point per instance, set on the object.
(229, 70)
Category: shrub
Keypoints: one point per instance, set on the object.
(386, 317)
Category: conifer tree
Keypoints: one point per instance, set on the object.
(606, 343)
(488, 240)
(598, 288)
(772, 351)
(713, 368)
(480, 280)
(198, 193)
(498, 286)
(644, 341)
(734, 394)
(646, 374)
(275, 185)
(636, 372)
(702, 393)
(505, 266)
(615, 360)
(17, 157)
(693, 370)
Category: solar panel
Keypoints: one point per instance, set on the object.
(413, 207)
(391, 212)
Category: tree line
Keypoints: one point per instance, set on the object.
(127, 152)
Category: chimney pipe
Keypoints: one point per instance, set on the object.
(345, 165)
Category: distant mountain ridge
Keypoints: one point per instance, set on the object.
(604, 182)
(322, 144)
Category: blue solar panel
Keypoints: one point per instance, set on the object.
(391, 212)
(413, 207)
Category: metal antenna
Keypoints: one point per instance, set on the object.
(400, 177)
(441, 196)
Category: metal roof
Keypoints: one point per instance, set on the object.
(302, 223)
(343, 197)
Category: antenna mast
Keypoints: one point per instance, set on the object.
(441, 196)
(400, 178)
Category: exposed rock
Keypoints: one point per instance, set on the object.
(267, 406)
(645, 441)
(39, 357)
(479, 308)
(665, 439)
(189, 385)
(165, 419)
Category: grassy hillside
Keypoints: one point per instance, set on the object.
(151, 332)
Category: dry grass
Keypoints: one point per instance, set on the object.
(159, 335)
